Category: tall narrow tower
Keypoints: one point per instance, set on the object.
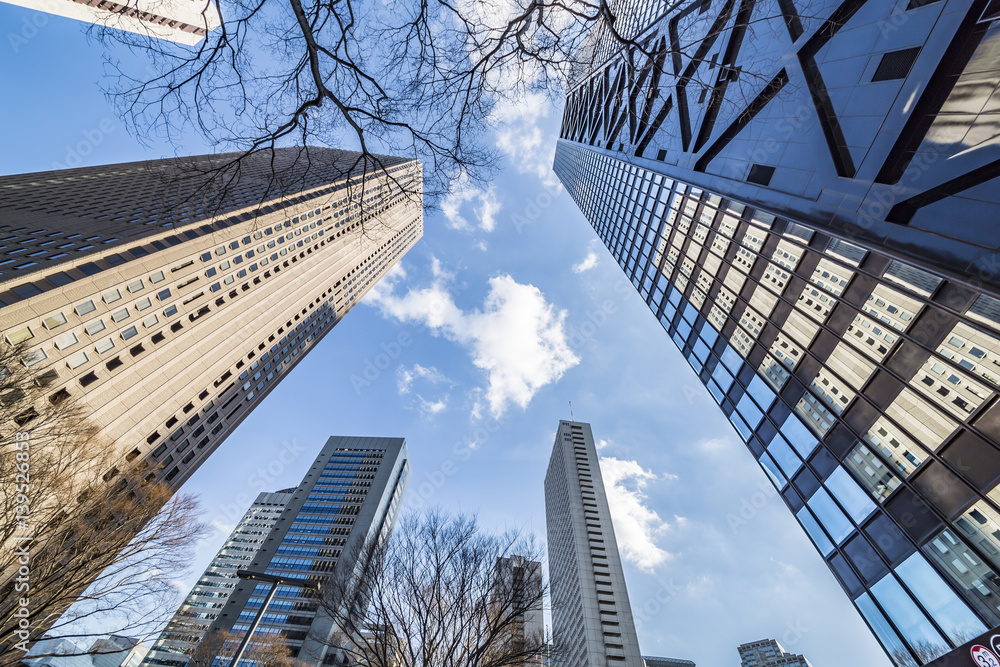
(592, 621)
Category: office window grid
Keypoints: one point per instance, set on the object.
(860, 333)
(80, 347)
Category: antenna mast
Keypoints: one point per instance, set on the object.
(571, 412)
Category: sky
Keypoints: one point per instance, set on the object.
(508, 310)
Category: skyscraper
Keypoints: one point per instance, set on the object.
(591, 618)
(768, 653)
(523, 577)
(170, 311)
(181, 21)
(349, 498)
(209, 595)
(652, 661)
(804, 198)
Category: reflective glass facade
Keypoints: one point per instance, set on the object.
(350, 496)
(865, 387)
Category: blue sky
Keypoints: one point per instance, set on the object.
(507, 310)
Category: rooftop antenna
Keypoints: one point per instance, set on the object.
(571, 412)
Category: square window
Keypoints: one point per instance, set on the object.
(111, 296)
(136, 286)
(129, 332)
(104, 345)
(143, 304)
(157, 277)
(150, 320)
(120, 315)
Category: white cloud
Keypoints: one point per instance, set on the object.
(601, 444)
(405, 376)
(587, 263)
(637, 527)
(432, 407)
(518, 338)
(521, 139)
(465, 192)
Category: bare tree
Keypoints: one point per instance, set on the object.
(415, 78)
(74, 533)
(263, 650)
(440, 591)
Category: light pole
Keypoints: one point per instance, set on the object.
(275, 581)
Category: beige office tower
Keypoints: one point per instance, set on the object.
(181, 21)
(170, 312)
(592, 623)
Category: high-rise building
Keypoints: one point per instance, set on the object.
(109, 651)
(592, 621)
(804, 195)
(768, 653)
(349, 498)
(521, 580)
(170, 312)
(652, 661)
(168, 298)
(181, 21)
(201, 606)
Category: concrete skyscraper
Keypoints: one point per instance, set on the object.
(170, 314)
(181, 21)
(349, 498)
(201, 606)
(805, 195)
(769, 653)
(592, 621)
(167, 304)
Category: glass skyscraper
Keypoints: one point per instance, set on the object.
(201, 606)
(804, 195)
(350, 497)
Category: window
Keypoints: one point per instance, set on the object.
(912, 622)
(850, 495)
(143, 304)
(104, 345)
(20, 335)
(831, 516)
(66, 340)
(111, 296)
(136, 286)
(952, 615)
(150, 320)
(34, 357)
(94, 327)
(129, 332)
(157, 277)
(53, 321)
(120, 315)
(77, 360)
(85, 308)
